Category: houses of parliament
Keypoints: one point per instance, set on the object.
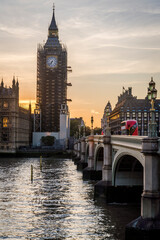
(18, 127)
(51, 116)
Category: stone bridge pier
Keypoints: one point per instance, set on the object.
(77, 151)
(81, 164)
(121, 172)
(147, 226)
(102, 187)
(128, 168)
(90, 172)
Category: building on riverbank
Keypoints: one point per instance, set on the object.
(15, 121)
(105, 118)
(129, 107)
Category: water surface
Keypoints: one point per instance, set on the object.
(58, 204)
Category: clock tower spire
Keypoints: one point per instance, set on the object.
(51, 79)
(53, 29)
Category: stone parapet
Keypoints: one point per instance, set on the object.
(150, 145)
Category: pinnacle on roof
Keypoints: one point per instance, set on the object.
(53, 25)
(13, 81)
(2, 84)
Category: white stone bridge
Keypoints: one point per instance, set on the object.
(123, 162)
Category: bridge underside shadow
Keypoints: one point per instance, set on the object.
(83, 163)
(95, 172)
(127, 182)
(129, 172)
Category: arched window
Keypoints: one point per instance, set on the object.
(5, 104)
(5, 122)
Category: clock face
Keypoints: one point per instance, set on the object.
(51, 61)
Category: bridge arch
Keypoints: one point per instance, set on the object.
(99, 157)
(127, 168)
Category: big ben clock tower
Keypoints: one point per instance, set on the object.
(51, 79)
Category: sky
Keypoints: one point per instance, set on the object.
(111, 44)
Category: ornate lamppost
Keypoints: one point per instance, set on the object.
(84, 130)
(92, 120)
(152, 95)
(107, 128)
(79, 127)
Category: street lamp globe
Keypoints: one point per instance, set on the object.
(152, 95)
(151, 84)
(149, 94)
(92, 125)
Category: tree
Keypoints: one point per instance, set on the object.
(97, 130)
(48, 140)
(74, 127)
(87, 131)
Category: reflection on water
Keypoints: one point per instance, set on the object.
(58, 204)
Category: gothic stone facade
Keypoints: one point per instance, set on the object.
(15, 121)
(129, 107)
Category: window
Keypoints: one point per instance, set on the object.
(145, 114)
(145, 120)
(5, 136)
(5, 104)
(133, 115)
(128, 114)
(145, 133)
(5, 122)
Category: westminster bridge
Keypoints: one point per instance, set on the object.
(128, 169)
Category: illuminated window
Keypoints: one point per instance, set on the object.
(5, 104)
(145, 114)
(5, 122)
(133, 115)
(128, 114)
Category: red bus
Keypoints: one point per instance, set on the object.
(129, 127)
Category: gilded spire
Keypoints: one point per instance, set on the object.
(53, 39)
(53, 25)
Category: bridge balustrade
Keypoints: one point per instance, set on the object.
(131, 162)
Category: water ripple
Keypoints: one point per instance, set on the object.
(58, 204)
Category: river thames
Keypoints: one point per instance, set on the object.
(58, 204)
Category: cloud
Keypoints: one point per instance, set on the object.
(16, 58)
(18, 32)
(95, 112)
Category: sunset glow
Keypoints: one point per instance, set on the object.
(111, 45)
